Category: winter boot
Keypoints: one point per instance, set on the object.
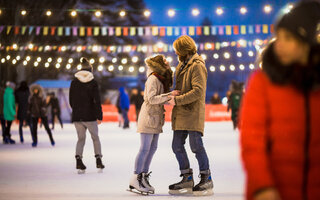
(205, 186)
(137, 184)
(99, 162)
(184, 186)
(11, 141)
(145, 181)
(80, 166)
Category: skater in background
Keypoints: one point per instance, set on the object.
(215, 99)
(188, 117)
(38, 111)
(136, 99)
(22, 100)
(280, 121)
(85, 102)
(2, 120)
(124, 103)
(151, 119)
(9, 111)
(120, 118)
(234, 100)
(55, 109)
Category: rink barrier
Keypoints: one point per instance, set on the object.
(212, 112)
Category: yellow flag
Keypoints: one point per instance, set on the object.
(155, 30)
(265, 28)
(45, 30)
(82, 31)
(228, 30)
(118, 31)
(191, 30)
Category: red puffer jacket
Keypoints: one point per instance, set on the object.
(280, 133)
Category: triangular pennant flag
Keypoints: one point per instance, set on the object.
(206, 30)
(155, 30)
(118, 31)
(125, 31)
(74, 31)
(67, 31)
(162, 31)
(191, 30)
(23, 30)
(271, 28)
(1, 28)
(16, 30)
(82, 31)
(229, 30)
(250, 29)
(169, 31)
(184, 31)
(147, 31)
(236, 30)
(53, 30)
(8, 29)
(243, 29)
(199, 30)
(140, 31)
(265, 29)
(176, 31)
(60, 31)
(132, 31)
(213, 30)
(221, 31)
(96, 31)
(45, 30)
(89, 31)
(258, 28)
(111, 31)
(30, 29)
(104, 31)
(38, 29)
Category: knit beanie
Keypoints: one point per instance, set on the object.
(85, 64)
(302, 21)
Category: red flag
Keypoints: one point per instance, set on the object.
(271, 28)
(16, 30)
(125, 31)
(53, 30)
(199, 30)
(162, 31)
(89, 31)
(236, 30)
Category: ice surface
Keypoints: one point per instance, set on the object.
(48, 172)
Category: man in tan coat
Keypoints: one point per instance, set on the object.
(188, 117)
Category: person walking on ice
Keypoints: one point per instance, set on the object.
(151, 120)
(84, 100)
(188, 117)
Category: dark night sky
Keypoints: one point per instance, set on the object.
(231, 15)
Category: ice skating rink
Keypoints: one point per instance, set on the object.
(49, 173)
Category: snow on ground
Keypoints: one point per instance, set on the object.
(49, 173)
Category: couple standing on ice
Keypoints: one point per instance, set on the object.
(188, 116)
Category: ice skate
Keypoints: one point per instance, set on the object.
(99, 164)
(204, 187)
(145, 182)
(80, 166)
(136, 185)
(184, 187)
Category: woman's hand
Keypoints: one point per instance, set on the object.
(171, 101)
(175, 93)
(268, 194)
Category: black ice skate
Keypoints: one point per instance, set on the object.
(136, 185)
(80, 166)
(184, 187)
(205, 186)
(99, 164)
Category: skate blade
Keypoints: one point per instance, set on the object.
(184, 191)
(81, 171)
(203, 193)
(134, 190)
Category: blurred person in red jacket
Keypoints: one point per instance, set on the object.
(280, 112)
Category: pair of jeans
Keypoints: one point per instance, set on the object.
(148, 146)
(21, 122)
(53, 116)
(44, 121)
(124, 113)
(7, 129)
(196, 144)
(81, 128)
